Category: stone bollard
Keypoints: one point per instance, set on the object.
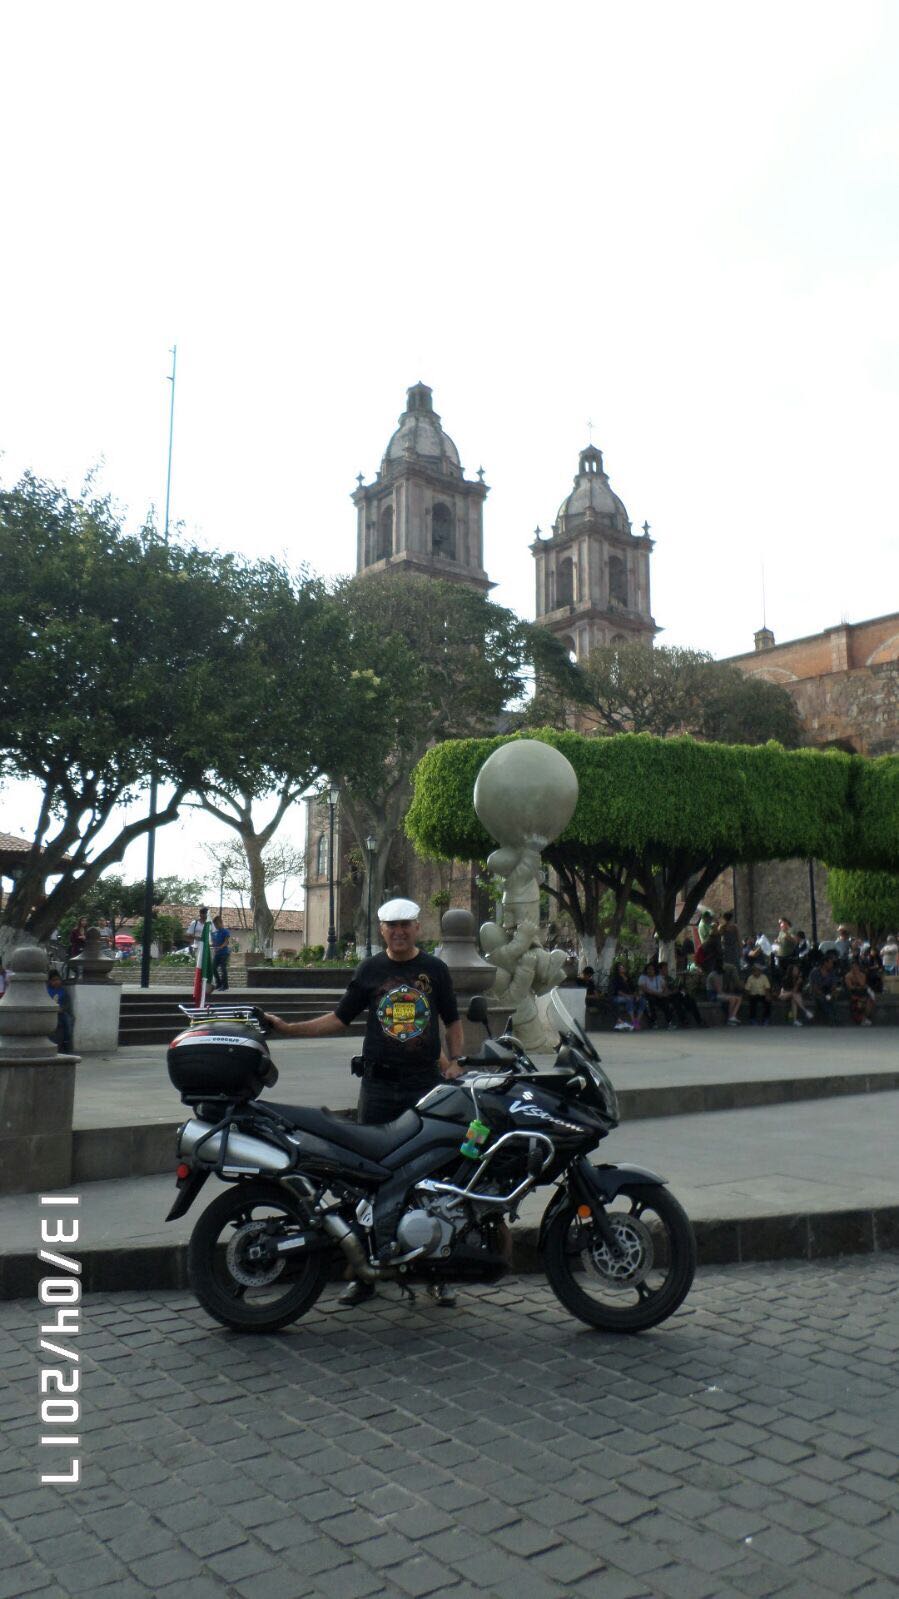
(37, 1085)
(471, 974)
(95, 962)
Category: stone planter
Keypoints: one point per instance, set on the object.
(298, 976)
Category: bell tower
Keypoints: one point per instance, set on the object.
(420, 514)
(592, 572)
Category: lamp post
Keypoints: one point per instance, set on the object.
(371, 844)
(331, 950)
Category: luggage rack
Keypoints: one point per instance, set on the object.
(248, 1014)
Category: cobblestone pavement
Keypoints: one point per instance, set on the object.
(747, 1448)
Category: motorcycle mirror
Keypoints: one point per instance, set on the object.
(477, 1012)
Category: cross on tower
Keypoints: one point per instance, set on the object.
(590, 428)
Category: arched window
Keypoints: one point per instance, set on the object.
(550, 591)
(321, 856)
(568, 644)
(566, 593)
(385, 534)
(443, 537)
(617, 581)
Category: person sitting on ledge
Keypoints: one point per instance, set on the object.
(791, 990)
(758, 992)
(728, 996)
(630, 1006)
(862, 1002)
(822, 983)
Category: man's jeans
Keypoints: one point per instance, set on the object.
(220, 971)
(383, 1099)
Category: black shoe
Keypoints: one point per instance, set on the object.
(356, 1293)
(442, 1294)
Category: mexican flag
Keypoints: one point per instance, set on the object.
(203, 973)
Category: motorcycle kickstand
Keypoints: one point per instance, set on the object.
(407, 1293)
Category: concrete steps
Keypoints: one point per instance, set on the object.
(152, 1016)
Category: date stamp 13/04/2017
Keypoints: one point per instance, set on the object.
(60, 1383)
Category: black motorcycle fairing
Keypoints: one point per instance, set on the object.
(591, 1184)
(373, 1140)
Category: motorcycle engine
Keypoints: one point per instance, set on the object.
(427, 1229)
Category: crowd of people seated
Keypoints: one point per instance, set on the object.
(745, 976)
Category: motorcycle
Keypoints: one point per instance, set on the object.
(427, 1197)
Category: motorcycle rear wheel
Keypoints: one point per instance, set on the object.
(642, 1288)
(222, 1274)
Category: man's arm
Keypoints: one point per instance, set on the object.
(329, 1026)
(448, 1062)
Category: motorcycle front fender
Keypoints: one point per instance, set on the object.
(588, 1184)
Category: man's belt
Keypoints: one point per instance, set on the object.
(382, 1072)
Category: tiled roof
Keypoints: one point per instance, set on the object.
(11, 845)
(232, 915)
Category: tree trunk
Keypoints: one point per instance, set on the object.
(603, 963)
(263, 920)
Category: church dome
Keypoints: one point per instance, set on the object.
(420, 436)
(591, 498)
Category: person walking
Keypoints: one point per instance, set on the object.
(405, 993)
(221, 953)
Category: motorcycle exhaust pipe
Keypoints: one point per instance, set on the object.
(346, 1240)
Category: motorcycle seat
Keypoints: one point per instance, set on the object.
(373, 1141)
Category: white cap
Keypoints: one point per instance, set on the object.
(398, 910)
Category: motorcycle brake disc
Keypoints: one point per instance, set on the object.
(245, 1266)
(634, 1239)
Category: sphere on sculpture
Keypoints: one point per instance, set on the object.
(525, 793)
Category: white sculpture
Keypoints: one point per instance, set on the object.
(525, 795)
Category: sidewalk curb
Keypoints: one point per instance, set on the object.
(147, 1149)
(816, 1235)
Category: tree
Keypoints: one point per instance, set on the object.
(431, 660)
(117, 659)
(636, 688)
(302, 712)
(282, 862)
(665, 816)
(867, 900)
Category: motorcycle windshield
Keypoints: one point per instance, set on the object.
(561, 1018)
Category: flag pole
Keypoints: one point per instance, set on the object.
(151, 835)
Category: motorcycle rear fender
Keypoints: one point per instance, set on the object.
(588, 1184)
(186, 1195)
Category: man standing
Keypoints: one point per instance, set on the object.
(404, 991)
(195, 929)
(221, 951)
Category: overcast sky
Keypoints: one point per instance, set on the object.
(679, 222)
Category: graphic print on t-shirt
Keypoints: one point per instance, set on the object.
(404, 1013)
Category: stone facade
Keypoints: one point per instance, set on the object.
(845, 681)
(592, 573)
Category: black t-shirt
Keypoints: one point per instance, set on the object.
(404, 1000)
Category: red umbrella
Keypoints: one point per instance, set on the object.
(124, 939)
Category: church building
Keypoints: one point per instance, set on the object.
(420, 514)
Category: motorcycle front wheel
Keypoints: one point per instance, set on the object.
(232, 1266)
(644, 1283)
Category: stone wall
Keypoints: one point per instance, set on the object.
(760, 894)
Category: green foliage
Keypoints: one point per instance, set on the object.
(669, 814)
(868, 900)
(165, 932)
(641, 794)
(876, 809)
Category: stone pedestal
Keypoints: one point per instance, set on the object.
(96, 1008)
(37, 1085)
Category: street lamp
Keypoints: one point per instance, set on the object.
(371, 844)
(331, 951)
